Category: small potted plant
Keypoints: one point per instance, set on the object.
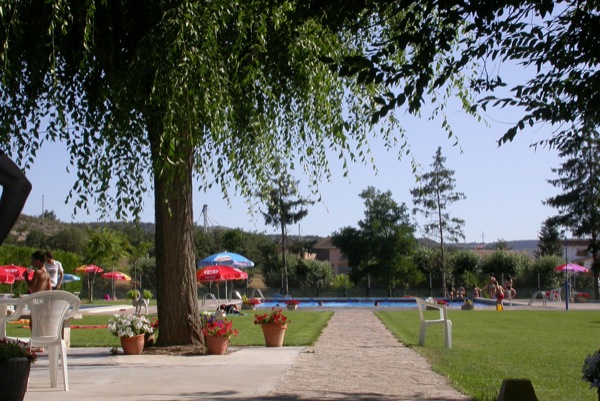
(249, 303)
(273, 325)
(133, 294)
(217, 333)
(582, 297)
(591, 371)
(131, 330)
(15, 363)
(292, 304)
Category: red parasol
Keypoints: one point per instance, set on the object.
(18, 272)
(89, 269)
(116, 276)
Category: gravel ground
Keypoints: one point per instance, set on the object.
(357, 358)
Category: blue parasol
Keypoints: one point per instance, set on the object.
(67, 278)
(226, 259)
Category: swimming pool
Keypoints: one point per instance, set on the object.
(336, 303)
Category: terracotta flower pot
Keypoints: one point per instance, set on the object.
(216, 345)
(581, 300)
(14, 375)
(274, 334)
(133, 345)
(248, 307)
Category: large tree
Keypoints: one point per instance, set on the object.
(579, 204)
(433, 198)
(553, 43)
(171, 89)
(382, 246)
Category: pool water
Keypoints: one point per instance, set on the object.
(402, 303)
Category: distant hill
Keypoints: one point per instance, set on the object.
(26, 223)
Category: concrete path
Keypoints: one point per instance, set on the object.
(355, 358)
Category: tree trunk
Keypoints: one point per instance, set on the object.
(442, 248)
(177, 299)
(284, 274)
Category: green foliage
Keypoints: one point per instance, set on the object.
(342, 281)
(220, 90)
(133, 294)
(432, 198)
(147, 294)
(36, 238)
(464, 261)
(10, 350)
(314, 273)
(549, 241)
(579, 203)
(71, 238)
(383, 244)
(505, 262)
(285, 206)
(545, 266)
(477, 364)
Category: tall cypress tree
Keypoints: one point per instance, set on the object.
(285, 206)
(432, 199)
(549, 242)
(579, 178)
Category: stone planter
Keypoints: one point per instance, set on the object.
(274, 334)
(14, 375)
(248, 307)
(291, 307)
(133, 345)
(216, 345)
(581, 300)
(467, 307)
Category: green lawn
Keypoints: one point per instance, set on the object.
(546, 347)
(304, 329)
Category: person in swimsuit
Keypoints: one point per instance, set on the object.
(492, 287)
(499, 295)
(15, 190)
(508, 287)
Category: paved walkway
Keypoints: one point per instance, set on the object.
(356, 358)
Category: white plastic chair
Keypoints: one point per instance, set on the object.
(541, 294)
(49, 310)
(443, 320)
(555, 295)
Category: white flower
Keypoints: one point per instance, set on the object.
(129, 325)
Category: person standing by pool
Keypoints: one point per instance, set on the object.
(493, 284)
(460, 292)
(55, 271)
(499, 296)
(508, 287)
(39, 280)
(15, 190)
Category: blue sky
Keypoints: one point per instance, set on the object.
(504, 185)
